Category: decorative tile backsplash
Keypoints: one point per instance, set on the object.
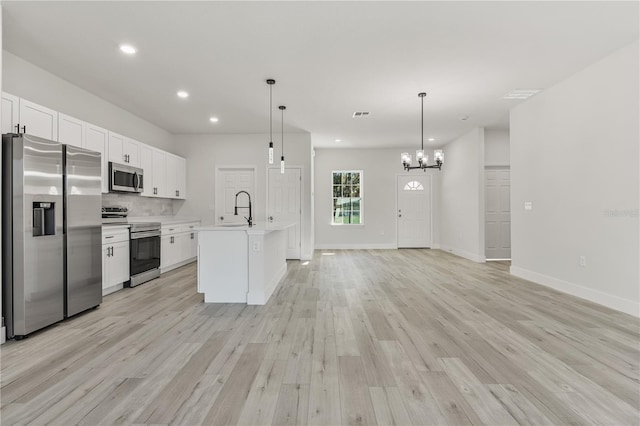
(141, 206)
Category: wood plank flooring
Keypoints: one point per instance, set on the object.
(389, 337)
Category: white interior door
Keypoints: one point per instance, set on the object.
(414, 211)
(229, 181)
(284, 205)
(497, 214)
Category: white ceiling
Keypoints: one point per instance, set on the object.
(329, 59)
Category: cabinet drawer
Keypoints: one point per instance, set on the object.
(110, 236)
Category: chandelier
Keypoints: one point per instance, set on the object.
(438, 154)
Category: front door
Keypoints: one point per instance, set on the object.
(414, 211)
(229, 181)
(497, 214)
(284, 205)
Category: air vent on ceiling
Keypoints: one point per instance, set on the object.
(521, 93)
(361, 114)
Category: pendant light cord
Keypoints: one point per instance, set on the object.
(422, 124)
(282, 137)
(270, 113)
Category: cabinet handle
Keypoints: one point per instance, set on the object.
(192, 235)
(110, 236)
(111, 250)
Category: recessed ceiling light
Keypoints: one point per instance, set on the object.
(361, 114)
(337, 140)
(128, 49)
(521, 94)
(431, 139)
(182, 94)
(213, 119)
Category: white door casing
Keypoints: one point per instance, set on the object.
(413, 200)
(284, 204)
(230, 180)
(497, 213)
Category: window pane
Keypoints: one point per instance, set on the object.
(355, 190)
(337, 191)
(355, 203)
(355, 217)
(337, 179)
(346, 191)
(355, 178)
(344, 178)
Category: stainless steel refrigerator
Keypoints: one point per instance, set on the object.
(36, 250)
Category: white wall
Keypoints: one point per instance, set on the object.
(380, 168)
(574, 155)
(3, 329)
(206, 152)
(23, 79)
(462, 196)
(496, 148)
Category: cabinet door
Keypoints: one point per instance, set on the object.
(10, 113)
(193, 244)
(106, 265)
(159, 173)
(71, 131)
(119, 268)
(97, 139)
(146, 163)
(116, 148)
(166, 251)
(38, 120)
(181, 178)
(171, 183)
(131, 151)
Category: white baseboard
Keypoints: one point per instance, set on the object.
(112, 289)
(466, 254)
(177, 265)
(609, 300)
(374, 246)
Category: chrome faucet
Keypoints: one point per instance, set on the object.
(235, 209)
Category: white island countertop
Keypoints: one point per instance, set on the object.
(257, 228)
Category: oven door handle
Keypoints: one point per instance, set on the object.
(146, 234)
(136, 181)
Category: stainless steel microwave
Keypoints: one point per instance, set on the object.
(125, 178)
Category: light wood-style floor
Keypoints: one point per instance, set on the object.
(358, 337)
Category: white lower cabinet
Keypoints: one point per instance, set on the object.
(179, 245)
(115, 259)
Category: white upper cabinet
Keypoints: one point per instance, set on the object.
(146, 164)
(181, 178)
(116, 148)
(123, 150)
(10, 113)
(159, 173)
(131, 150)
(71, 131)
(176, 176)
(37, 120)
(97, 139)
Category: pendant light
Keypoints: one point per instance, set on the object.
(271, 82)
(422, 159)
(282, 108)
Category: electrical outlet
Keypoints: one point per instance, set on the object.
(583, 261)
(528, 205)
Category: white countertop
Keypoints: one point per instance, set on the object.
(164, 220)
(257, 228)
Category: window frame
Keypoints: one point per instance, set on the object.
(361, 197)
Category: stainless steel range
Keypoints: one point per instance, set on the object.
(145, 252)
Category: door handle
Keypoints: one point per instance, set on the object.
(399, 215)
(270, 218)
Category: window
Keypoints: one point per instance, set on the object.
(414, 185)
(347, 197)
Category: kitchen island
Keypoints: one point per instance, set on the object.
(241, 264)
